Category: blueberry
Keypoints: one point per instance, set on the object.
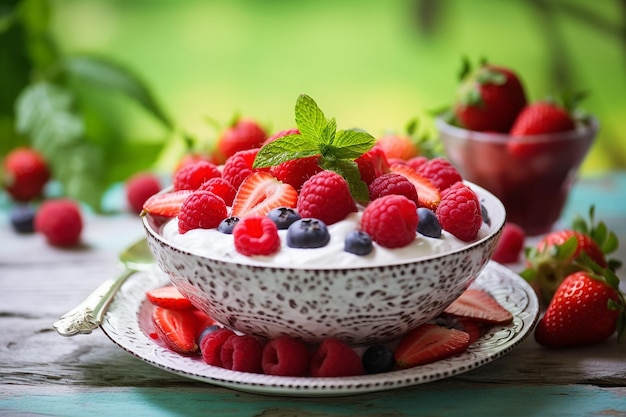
(227, 225)
(208, 330)
(307, 233)
(23, 218)
(283, 217)
(428, 223)
(377, 359)
(358, 242)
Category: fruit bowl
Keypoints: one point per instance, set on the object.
(358, 304)
(531, 175)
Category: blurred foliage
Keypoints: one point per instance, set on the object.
(371, 64)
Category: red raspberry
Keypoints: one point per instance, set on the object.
(325, 196)
(285, 356)
(239, 166)
(211, 346)
(256, 235)
(139, 188)
(417, 162)
(459, 212)
(391, 221)
(296, 171)
(440, 172)
(334, 358)
(60, 221)
(242, 135)
(221, 188)
(192, 176)
(510, 244)
(372, 164)
(26, 173)
(201, 210)
(393, 184)
(242, 353)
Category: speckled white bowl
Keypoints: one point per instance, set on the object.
(361, 305)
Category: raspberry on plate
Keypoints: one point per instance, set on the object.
(242, 353)
(326, 196)
(139, 188)
(334, 358)
(211, 346)
(256, 235)
(391, 221)
(510, 245)
(60, 221)
(393, 184)
(459, 212)
(201, 210)
(285, 356)
(192, 176)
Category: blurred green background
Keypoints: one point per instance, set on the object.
(371, 64)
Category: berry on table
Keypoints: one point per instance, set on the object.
(25, 174)
(256, 235)
(60, 221)
(391, 221)
(139, 188)
(358, 242)
(283, 217)
(285, 356)
(211, 346)
(242, 353)
(307, 233)
(459, 212)
(23, 218)
(201, 210)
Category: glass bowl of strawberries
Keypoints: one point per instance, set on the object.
(527, 153)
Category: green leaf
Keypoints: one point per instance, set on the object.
(111, 76)
(568, 248)
(284, 149)
(37, 102)
(350, 143)
(329, 133)
(310, 120)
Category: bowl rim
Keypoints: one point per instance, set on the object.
(495, 231)
(587, 128)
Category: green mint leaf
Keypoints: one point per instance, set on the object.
(310, 120)
(109, 75)
(328, 133)
(349, 170)
(284, 149)
(351, 143)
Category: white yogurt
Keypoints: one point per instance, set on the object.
(216, 245)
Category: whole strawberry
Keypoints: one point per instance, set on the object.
(489, 98)
(585, 309)
(25, 174)
(542, 117)
(555, 256)
(241, 135)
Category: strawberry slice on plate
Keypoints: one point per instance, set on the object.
(168, 297)
(479, 305)
(428, 194)
(430, 343)
(177, 328)
(166, 204)
(261, 192)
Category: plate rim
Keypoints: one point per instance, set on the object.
(134, 340)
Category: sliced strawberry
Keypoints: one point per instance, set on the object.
(203, 321)
(427, 193)
(479, 305)
(168, 297)
(177, 328)
(372, 164)
(261, 192)
(430, 343)
(166, 204)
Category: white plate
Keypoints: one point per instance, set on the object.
(128, 324)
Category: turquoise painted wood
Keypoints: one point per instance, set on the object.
(44, 374)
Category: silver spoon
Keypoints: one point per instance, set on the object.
(88, 315)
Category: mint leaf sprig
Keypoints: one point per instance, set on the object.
(319, 136)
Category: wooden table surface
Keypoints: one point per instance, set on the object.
(44, 374)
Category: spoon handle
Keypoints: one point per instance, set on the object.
(88, 315)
